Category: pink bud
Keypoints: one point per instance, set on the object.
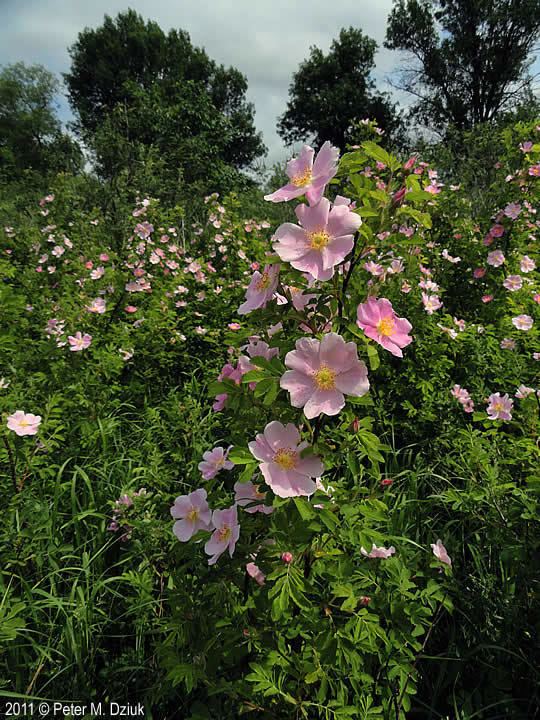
(386, 482)
(287, 558)
(399, 195)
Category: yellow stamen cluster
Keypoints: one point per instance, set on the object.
(303, 179)
(193, 514)
(385, 326)
(264, 282)
(325, 378)
(286, 458)
(319, 240)
(224, 533)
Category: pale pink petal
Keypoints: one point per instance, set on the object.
(327, 402)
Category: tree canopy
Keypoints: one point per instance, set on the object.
(469, 58)
(160, 92)
(331, 92)
(31, 136)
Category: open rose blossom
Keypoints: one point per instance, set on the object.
(523, 322)
(192, 514)
(225, 535)
(282, 465)
(308, 177)
(322, 372)
(440, 553)
(380, 323)
(79, 342)
(261, 289)
(378, 552)
(213, 461)
(500, 407)
(23, 423)
(324, 240)
(248, 496)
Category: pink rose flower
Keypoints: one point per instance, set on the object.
(307, 176)
(219, 402)
(225, 535)
(523, 322)
(440, 553)
(378, 552)
(98, 273)
(431, 303)
(495, 258)
(192, 514)
(527, 264)
(97, 306)
(322, 372)
(513, 283)
(500, 407)
(79, 342)
(512, 210)
(523, 391)
(246, 493)
(259, 348)
(213, 461)
(23, 423)
(323, 241)
(378, 320)
(283, 467)
(261, 289)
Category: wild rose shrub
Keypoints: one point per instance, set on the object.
(357, 496)
(331, 631)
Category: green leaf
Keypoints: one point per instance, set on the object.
(373, 356)
(254, 376)
(240, 456)
(304, 508)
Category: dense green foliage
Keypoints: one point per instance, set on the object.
(405, 582)
(31, 137)
(138, 92)
(93, 613)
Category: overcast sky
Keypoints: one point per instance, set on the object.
(265, 39)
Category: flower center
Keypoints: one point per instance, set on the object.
(303, 179)
(498, 407)
(24, 423)
(325, 378)
(385, 326)
(319, 240)
(286, 458)
(264, 282)
(224, 533)
(192, 515)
